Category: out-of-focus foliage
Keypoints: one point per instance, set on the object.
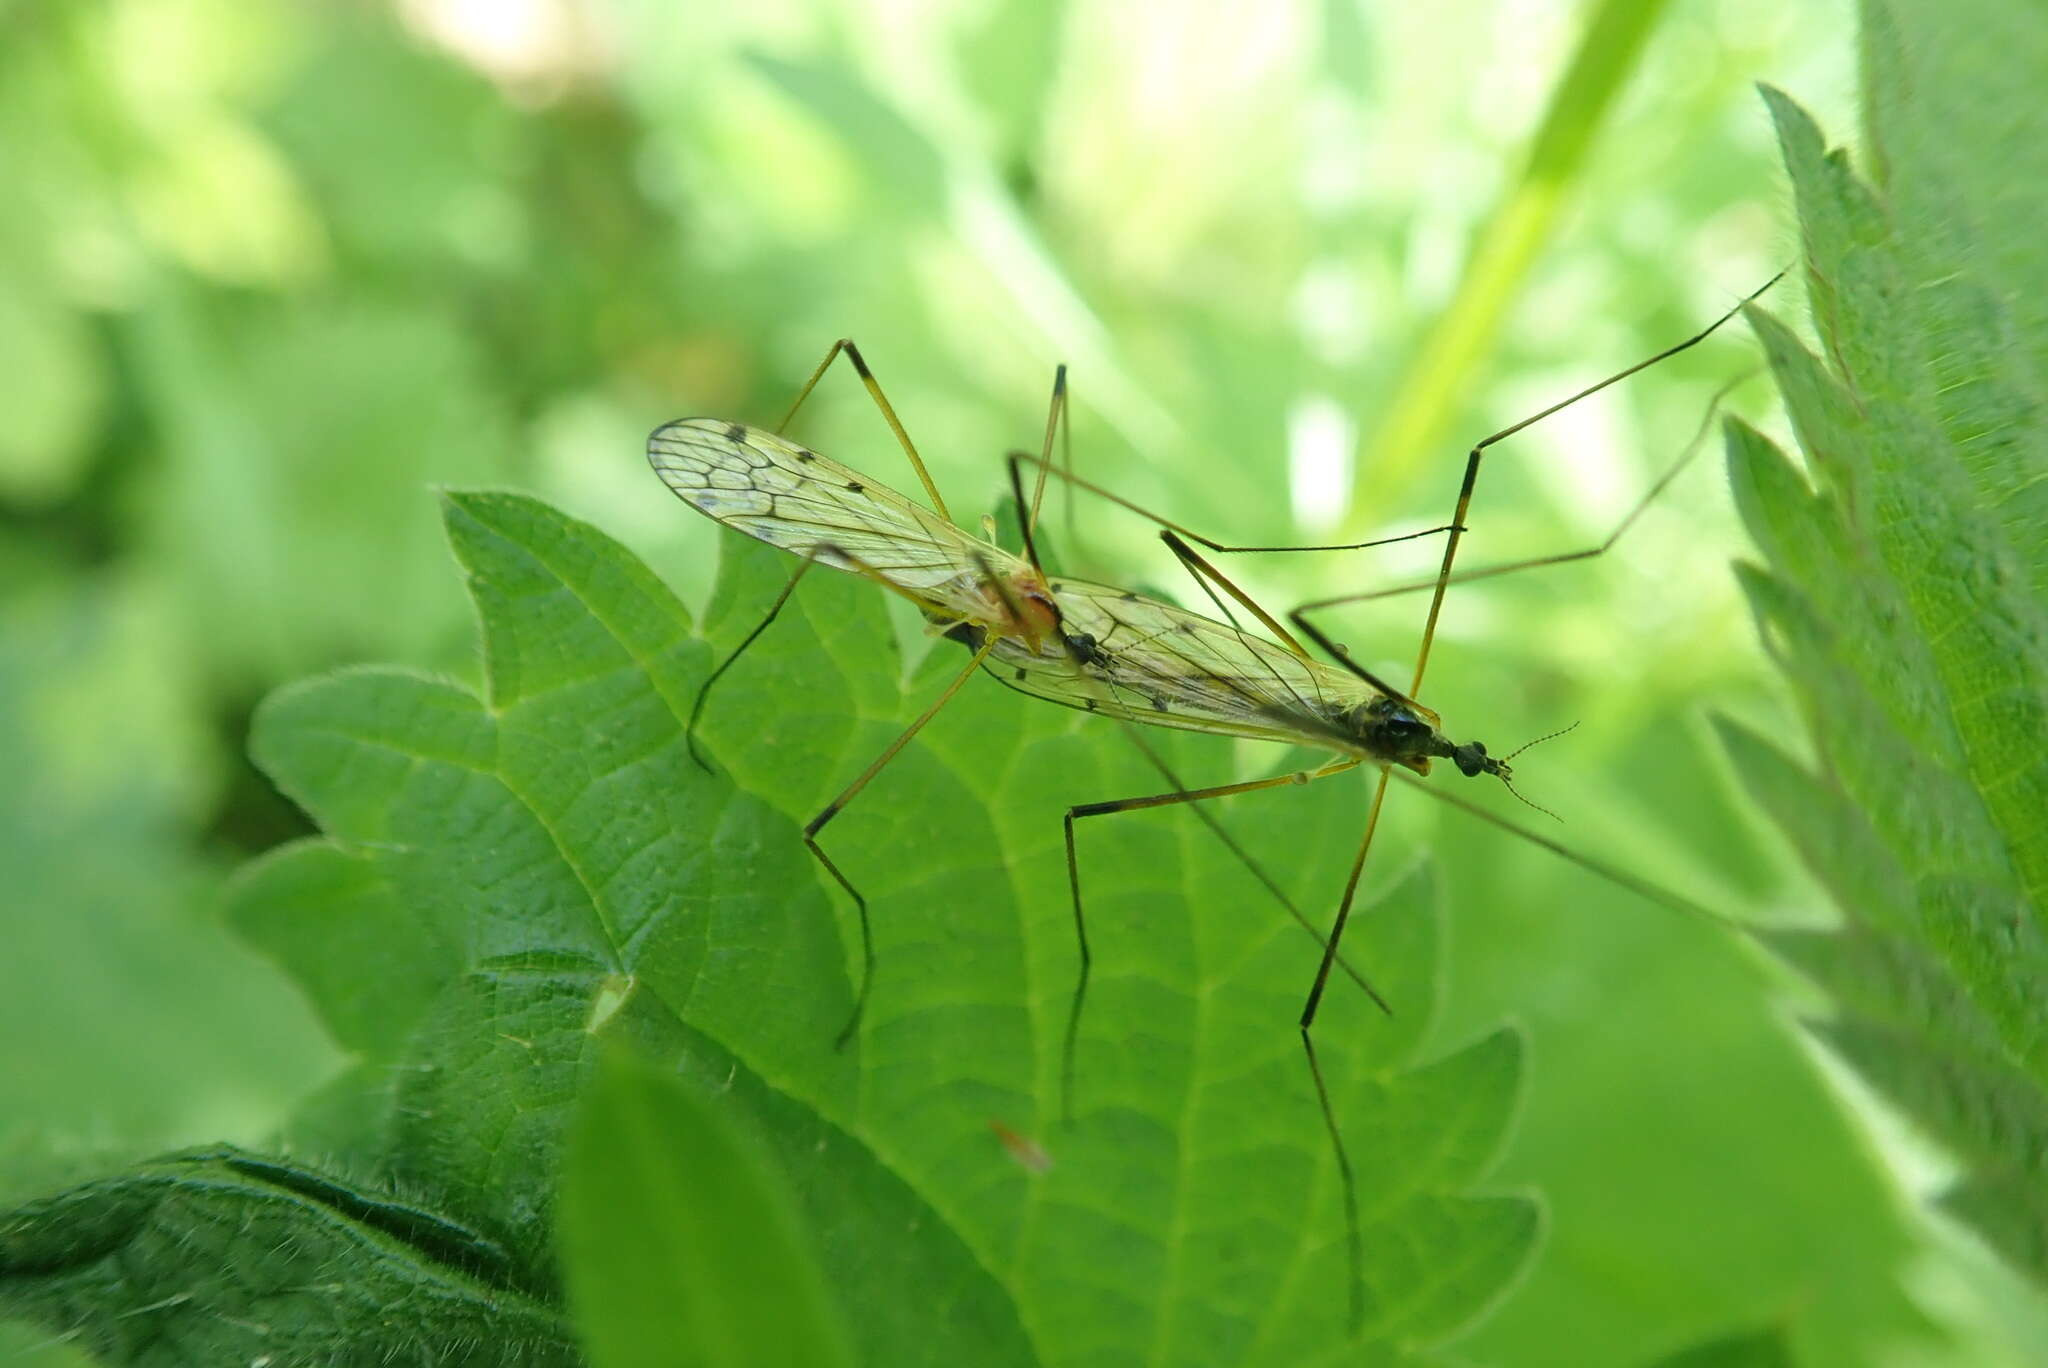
(268, 271)
(1905, 597)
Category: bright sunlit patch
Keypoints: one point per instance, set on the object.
(1577, 455)
(533, 46)
(1320, 438)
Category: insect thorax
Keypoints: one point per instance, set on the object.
(1394, 731)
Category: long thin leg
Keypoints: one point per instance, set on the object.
(1354, 1237)
(1600, 548)
(1056, 418)
(704, 689)
(1067, 463)
(1178, 796)
(1252, 866)
(1642, 888)
(837, 805)
(874, 388)
(1473, 458)
(1457, 528)
(1055, 421)
(856, 565)
(1204, 573)
(1137, 739)
(1078, 482)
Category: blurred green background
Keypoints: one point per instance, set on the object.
(268, 272)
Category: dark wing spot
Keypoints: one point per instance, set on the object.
(1130, 598)
(736, 433)
(854, 486)
(1090, 702)
(1158, 703)
(1021, 673)
(806, 456)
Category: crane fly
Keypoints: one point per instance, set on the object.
(1141, 660)
(1135, 659)
(760, 483)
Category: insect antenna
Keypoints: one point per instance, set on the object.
(1502, 773)
(1526, 801)
(1552, 736)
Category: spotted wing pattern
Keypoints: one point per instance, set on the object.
(775, 491)
(1151, 662)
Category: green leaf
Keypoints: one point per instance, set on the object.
(221, 1257)
(1903, 596)
(1751, 1349)
(509, 883)
(680, 1245)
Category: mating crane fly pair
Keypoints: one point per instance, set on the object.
(1133, 658)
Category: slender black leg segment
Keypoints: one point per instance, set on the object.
(1055, 421)
(1620, 878)
(1025, 518)
(1472, 459)
(1372, 822)
(874, 389)
(867, 940)
(1354, 1238)
(1067, 1048)
(1206, 574)
(838, 805)
(1230, 843)
(1601, 548)
(1087, 961)
(1067, 461)
(1341, 656)
(1077, 482)
(1179, 796)
(704, 689)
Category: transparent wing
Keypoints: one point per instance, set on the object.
(1151, 662)
(775, 491)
